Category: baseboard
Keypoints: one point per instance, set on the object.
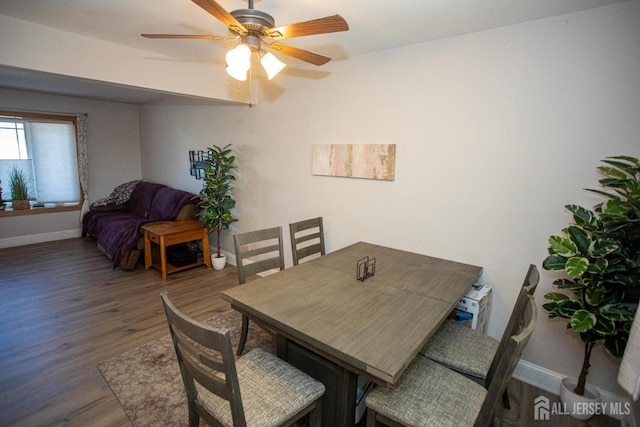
(10, 242)
(549, 381)
(231, 257)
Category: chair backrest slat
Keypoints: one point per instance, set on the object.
(258, 251)
(505, 362)
(205, 356)
(201, 375)
(253, 252)
(260, 266)
(302, 232)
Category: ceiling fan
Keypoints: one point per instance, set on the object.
(257, 32)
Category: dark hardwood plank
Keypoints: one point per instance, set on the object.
(522, 412)
(64, 310)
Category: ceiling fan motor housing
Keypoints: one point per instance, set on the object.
(253, 19)
(255, 22)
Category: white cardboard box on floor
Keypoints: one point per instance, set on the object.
(473, 309)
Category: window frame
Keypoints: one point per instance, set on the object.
(45, 209)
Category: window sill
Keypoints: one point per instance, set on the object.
(38, 210)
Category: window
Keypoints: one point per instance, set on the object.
(44, 148)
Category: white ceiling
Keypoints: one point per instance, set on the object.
(374, 25)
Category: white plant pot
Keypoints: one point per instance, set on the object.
(579, 407)
(218, 263)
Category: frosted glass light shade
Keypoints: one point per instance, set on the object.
(237, 73)
(239, 55)
(239, 62)
(271, 65)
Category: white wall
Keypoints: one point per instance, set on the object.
(113, 140)
(495, 131)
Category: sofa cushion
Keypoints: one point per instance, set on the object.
(120, 235)
(94, 222)
(142, 198)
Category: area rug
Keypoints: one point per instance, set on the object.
(147, 383)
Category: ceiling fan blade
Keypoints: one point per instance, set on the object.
(303, 55)
(328, 24)
(186, 36)
(222, 15)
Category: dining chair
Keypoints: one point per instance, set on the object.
(258, 389)
(256, 252)
(471, 352)
(307, 238)
(430, 394)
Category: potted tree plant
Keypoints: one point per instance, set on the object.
(216, 200)
(600, 256)
(19, 189)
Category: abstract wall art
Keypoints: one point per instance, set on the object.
(370, 161)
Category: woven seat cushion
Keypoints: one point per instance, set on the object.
(462, 349)
(272, 391)
(428, 394)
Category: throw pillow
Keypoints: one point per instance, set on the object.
(122, 192)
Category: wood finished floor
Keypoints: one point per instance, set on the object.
(64, 310)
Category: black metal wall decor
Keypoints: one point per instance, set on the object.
(197, 164)
(366, 268)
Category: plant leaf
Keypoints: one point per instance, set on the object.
(566, 284)
(582, 321)
(580, 238)
(555, 296)
(615, 345)
(594, 296)
(615, 207)
(598, 267)
(554, 263)
(617, 312)
(604, 247)
(576, 266)
(605, 326)
(628, 159)
(567, 308)
(551, 308)
(612, 172)
(583, 217)
(562, 246)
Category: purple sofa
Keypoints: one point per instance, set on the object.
(116, 222)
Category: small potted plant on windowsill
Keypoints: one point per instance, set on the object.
(600, 256)
(19, 190)
(216, 200)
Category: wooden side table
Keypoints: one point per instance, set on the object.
(169, 233)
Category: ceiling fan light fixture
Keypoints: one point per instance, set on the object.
(239, 62)
(239, 57)
(237, 73)
(271, 64)
(255, 29)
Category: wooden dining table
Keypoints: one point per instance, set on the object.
(336, 327)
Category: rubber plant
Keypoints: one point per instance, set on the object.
(600, 256)
(216, 200)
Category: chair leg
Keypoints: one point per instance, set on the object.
(371, 418)
(315, 416)
(243, 334)
(194, 418)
